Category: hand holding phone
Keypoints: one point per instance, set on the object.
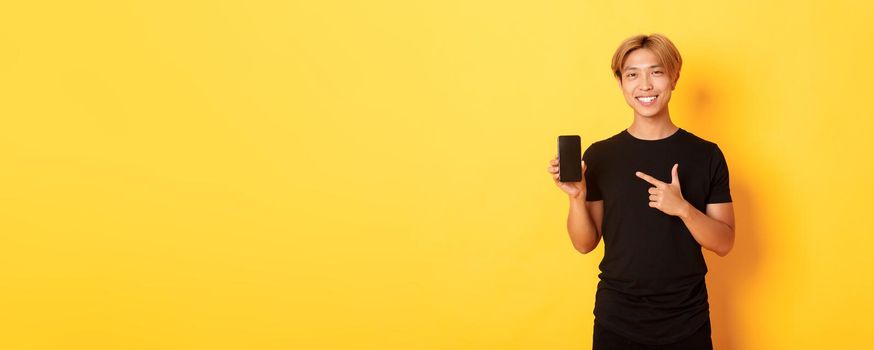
(568, 165)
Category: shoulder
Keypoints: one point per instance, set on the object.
(602, 145)
(595, 152)
(699, 141)
(706, 149)
(702, 145)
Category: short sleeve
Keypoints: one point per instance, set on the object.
(719, 188)
(593, 192)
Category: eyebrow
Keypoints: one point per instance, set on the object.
(652, 66)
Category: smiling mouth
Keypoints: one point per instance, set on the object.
(647, 100)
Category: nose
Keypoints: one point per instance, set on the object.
(646, 84)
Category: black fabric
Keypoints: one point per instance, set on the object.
(652, 282)
(605, 339)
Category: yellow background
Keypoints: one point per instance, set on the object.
(372, 174)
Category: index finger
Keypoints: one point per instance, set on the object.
(650, 179)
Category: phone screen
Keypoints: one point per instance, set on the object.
(569, 157)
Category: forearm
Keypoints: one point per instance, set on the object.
(710, 233)
(580, 225)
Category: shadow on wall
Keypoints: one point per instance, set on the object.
(728, 275)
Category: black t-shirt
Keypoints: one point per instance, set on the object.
(652, 287)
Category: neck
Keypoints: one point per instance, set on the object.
(652, 128)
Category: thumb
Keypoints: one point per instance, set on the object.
(675, 178)
(583, 165)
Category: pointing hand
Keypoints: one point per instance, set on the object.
(666, 197)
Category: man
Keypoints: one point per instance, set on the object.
(658, 194)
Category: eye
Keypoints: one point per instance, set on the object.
(658, 72)
(629, 74)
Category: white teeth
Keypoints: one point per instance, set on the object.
(647, 99)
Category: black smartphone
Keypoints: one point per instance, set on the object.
(569, 157)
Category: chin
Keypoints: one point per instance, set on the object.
(648, 113)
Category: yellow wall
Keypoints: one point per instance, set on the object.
(372, 174)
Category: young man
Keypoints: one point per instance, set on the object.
(658, 194)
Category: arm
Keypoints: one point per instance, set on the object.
(714, 230)
(584, 217)
(584, 222)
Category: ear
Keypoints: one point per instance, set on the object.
(674, 85)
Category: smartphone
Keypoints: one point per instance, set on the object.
(569, 157)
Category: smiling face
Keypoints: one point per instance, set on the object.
(646, 84)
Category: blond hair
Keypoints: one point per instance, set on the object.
(659, 44)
